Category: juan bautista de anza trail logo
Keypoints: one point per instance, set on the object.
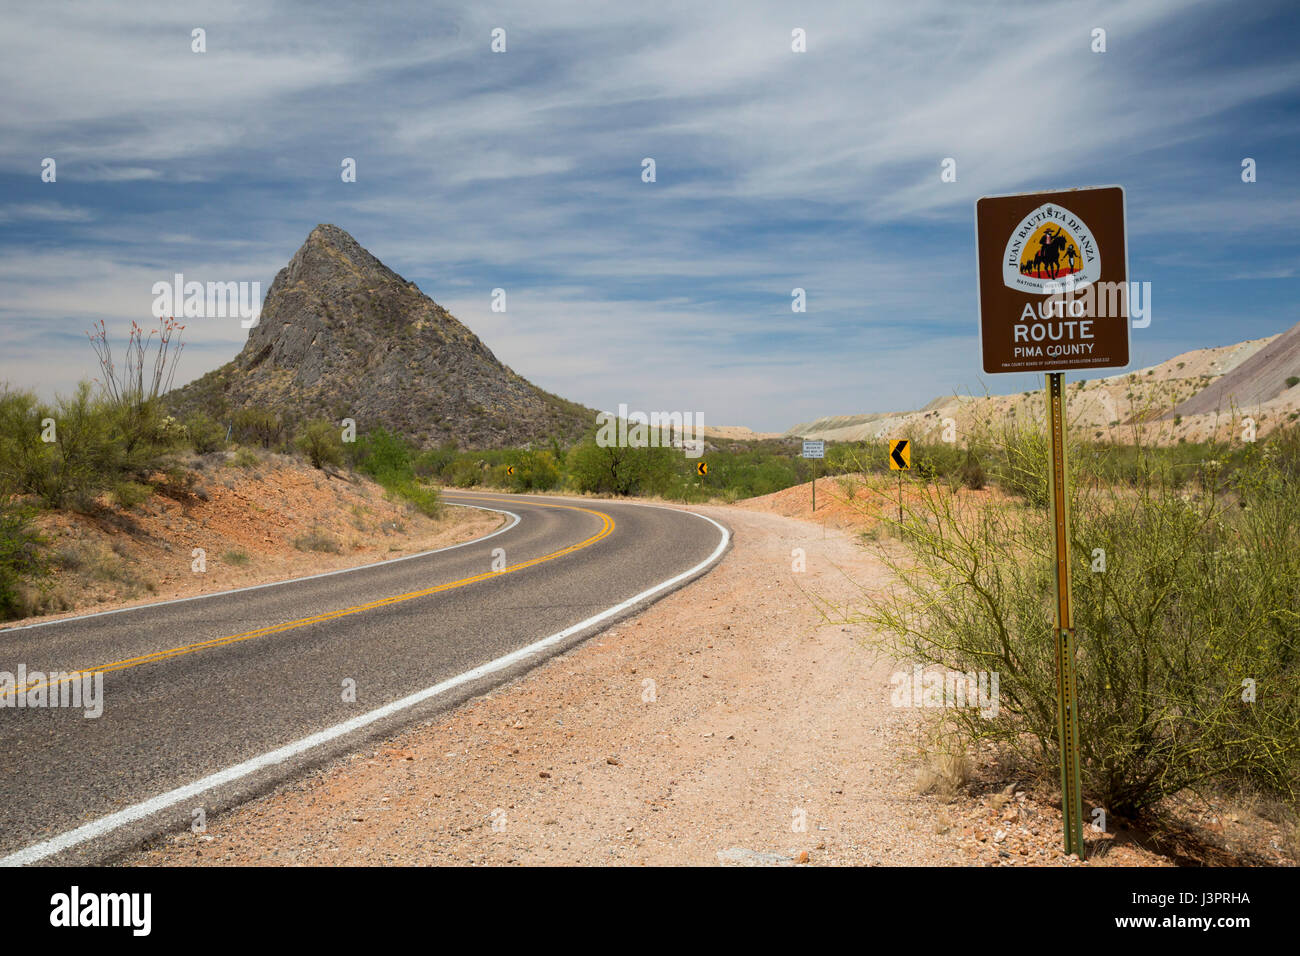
(1050, 245)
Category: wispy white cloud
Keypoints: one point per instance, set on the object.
(522, 170)
(44, 212)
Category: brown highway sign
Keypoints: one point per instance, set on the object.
(1053, 280)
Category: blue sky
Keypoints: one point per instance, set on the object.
(522, 170)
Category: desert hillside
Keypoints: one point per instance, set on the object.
(1197, 395)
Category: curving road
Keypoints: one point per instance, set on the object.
(208, 701)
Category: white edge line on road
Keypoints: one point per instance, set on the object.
(139, 811)
(276, 584)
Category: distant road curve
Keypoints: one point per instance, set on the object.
(211, 700)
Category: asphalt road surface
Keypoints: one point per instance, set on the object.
(209, 701)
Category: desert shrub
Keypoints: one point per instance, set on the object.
(245, 458)
(742, 474)
(932, 460)
(385, 457)
(131, 393)
(315, 540)
(174, 481)
(85, 458)
(99, 440)
(464, 473)
(321, 443)
(1199, 598)
(621, 470)
(388, 459)
(1292, 381)
(21, 558)
(972, 471)
(24, 458)
(1021, 467)
(257, 426)
(534, 471)
(129, 494)
(204, 433)
(433, 463)
(844, 457)
(422, 498)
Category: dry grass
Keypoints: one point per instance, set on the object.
(947, 768)
(314, 540)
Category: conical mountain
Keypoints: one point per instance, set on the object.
(343, 336)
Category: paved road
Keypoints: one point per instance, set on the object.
(210, 701)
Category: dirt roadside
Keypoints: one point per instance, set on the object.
(725, 724)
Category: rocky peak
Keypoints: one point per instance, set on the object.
(342, 335)
(331, 255)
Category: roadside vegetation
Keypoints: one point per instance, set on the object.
(1186, 584)
(111, 444)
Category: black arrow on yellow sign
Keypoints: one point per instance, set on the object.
(510, 470)
(900, 454)
(702, 468)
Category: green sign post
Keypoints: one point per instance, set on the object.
(1067, 689)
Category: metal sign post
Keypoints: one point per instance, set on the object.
(1067, 691)
(814, 450)
(900, 460)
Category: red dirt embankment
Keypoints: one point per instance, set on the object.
(253, 518)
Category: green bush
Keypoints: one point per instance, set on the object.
(385, 457)
(423, 498)
(846, 457)
(245, 458)
(321, 443)
(204, 433)
(1021, 468)
(25, 460)
(91, 451)
(21, 556)
(932, 460)
(972, 471)
(129, 494)
(621, 470)
(432, 463)
(1199, 597)
(464, 473)
(534, 471)
(257, 426)
(84, 459)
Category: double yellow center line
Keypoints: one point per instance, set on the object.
(607, 528)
